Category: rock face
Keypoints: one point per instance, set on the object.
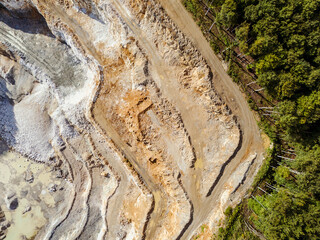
(118, 94)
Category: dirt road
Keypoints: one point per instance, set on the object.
(250, 141)
(230, 93)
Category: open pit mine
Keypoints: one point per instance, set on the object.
(117, 121)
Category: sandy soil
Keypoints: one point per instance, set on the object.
(230, 93)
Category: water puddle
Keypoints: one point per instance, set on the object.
(29, 193)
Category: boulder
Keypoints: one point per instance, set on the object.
(28, 176)
(52, 187)
(27, 209)
(13, 203)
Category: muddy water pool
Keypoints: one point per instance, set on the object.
(38, 191)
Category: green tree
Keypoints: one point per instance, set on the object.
(228, 15)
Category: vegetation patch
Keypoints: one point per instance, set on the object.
(273, 53)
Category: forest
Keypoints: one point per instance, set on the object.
(283, 38)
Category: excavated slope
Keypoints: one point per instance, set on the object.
(113, 91)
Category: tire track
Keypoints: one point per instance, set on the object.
(82, 183)
(108, 129)
(161, 71)
(23, 52)
(229, 91)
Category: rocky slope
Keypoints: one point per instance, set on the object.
(113, 91)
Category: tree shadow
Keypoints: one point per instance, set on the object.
(8, 124)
